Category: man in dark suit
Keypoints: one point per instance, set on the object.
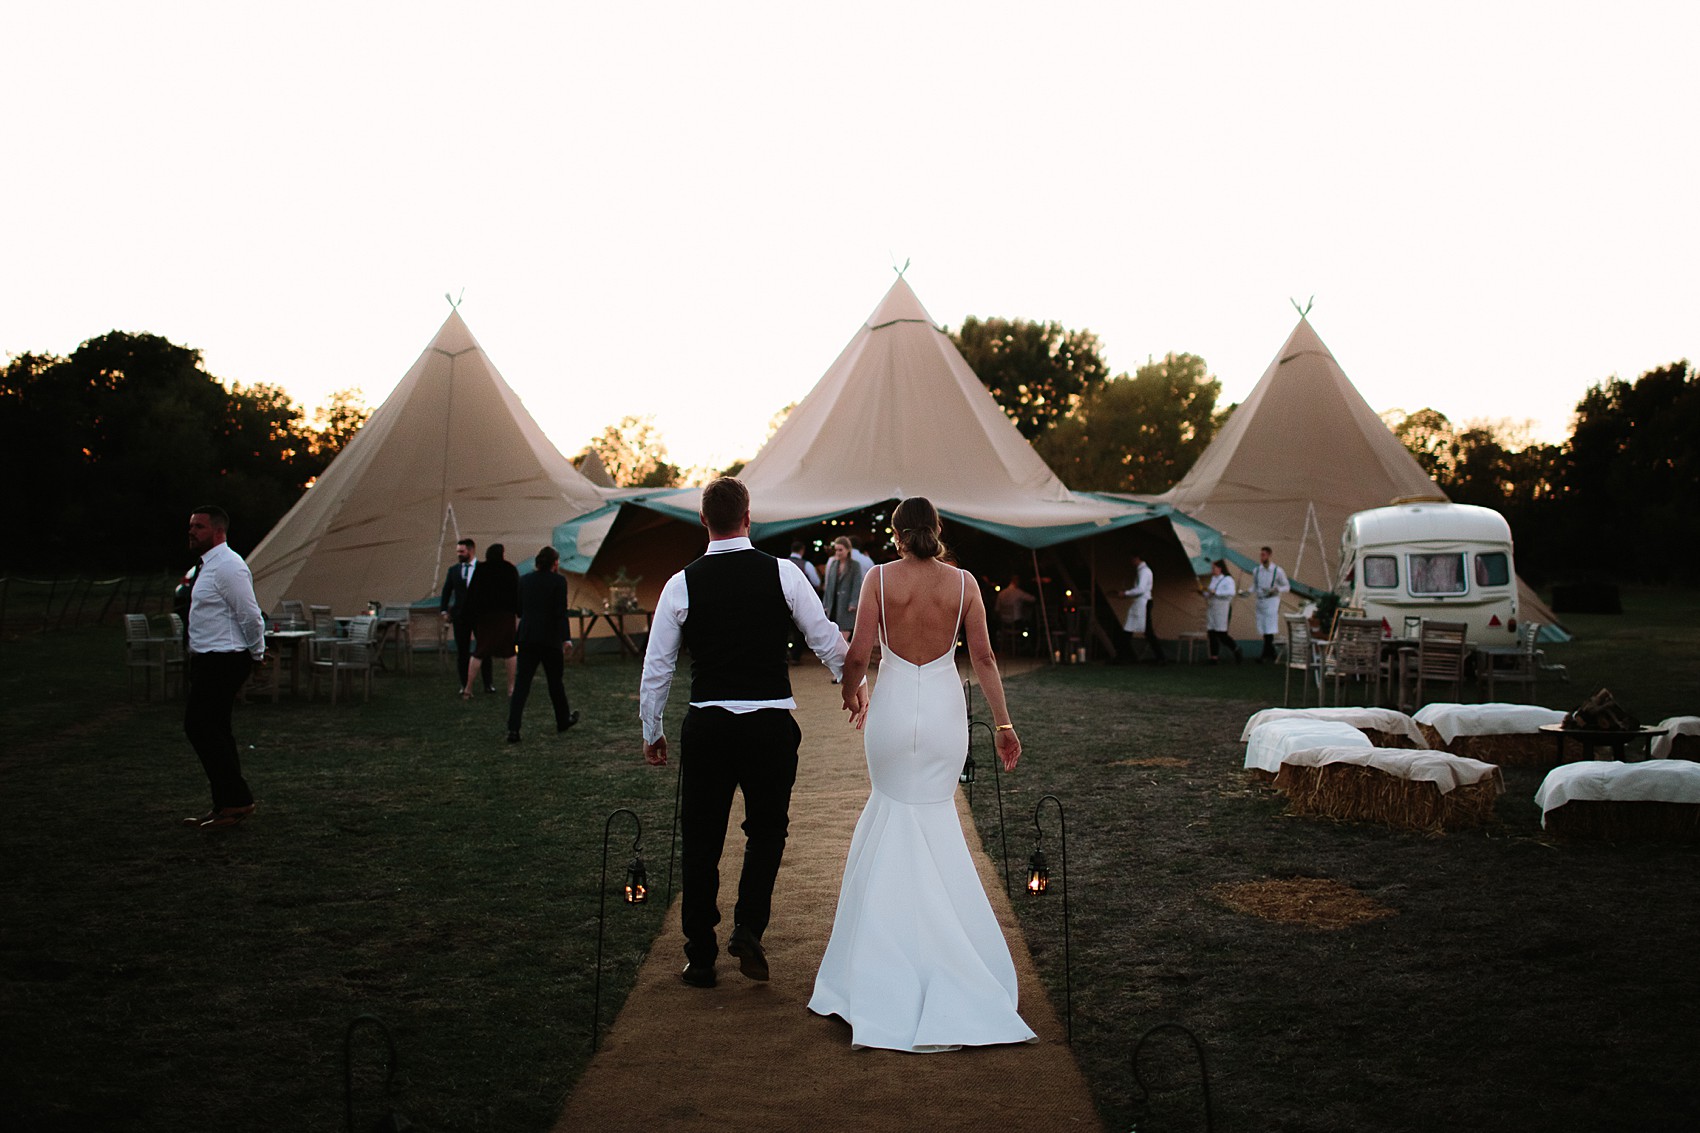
(542, 633)
(456, 610)
(735, 609)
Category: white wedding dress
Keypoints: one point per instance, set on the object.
(916, 961)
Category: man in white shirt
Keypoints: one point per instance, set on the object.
(735, 609)
(1268, 583)
(1138, 621)
(227, 638)
(811, 573)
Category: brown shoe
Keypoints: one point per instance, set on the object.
(222, 816)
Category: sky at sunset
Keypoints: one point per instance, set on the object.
(686, 210)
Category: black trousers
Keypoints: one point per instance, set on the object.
(1150, 634)
(532, 655)
(463, 647)
(1219, 638)
(214, 681)
(722, 752)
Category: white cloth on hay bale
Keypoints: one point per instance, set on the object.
(1673, 727)
(1492, 719)
(1272, 743)
(1446, 772)
(1385, 720)
(1606, 780)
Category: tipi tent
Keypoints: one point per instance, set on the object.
(900, 413)
(451, 453)
(1299, 455)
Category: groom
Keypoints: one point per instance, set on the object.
(734, 609)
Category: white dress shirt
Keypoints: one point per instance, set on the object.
(666, 633)
(808, 569)
(224, 615)
(1140, 592)
(1218, 602)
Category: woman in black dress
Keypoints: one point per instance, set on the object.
(493, 604)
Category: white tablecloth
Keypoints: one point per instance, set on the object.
(1454, 720)
(1605, 780)
(1444, 771)
(1673, 726)
(1272, 743)
(1380, 719)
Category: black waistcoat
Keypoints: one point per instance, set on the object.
(737, 628)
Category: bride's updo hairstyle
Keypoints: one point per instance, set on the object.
(916, 522)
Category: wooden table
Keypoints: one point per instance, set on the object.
(1591, 738)
(290, 642)
(616, 620)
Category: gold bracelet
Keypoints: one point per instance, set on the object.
(1005, 728)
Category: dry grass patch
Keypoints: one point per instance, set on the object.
(1316, 902)
(1152, 761)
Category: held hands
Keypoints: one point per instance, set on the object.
(1009, 747)
(856, 703)
(656, 753)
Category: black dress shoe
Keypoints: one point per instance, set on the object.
(698, 974)
(572, 718)
(220, 817)
(513, 737)
(752, 961)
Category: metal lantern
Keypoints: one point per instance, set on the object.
(637, 882)
(1038, 873)
(967, 775)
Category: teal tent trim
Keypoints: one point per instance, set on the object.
(565, 539)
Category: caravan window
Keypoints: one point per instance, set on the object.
(1437, 574)
(1493, 569)
(1381, 571)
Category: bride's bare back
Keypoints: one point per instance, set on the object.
(922, 599)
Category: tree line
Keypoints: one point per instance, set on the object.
(106, 448)
(105, 445)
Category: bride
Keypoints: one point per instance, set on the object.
(916, 960)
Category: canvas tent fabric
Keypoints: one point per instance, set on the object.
(899, 414)
(451, 453)
(1299, 455)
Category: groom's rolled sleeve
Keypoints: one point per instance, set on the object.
(661, 655)
(822, 636)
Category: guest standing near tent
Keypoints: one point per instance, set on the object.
(1218, 604)
(457, 608)
(843, 586)
(541, 639)
(1268, 583)
(227, 638)
(813, 575)
(494, 598)
(1138, 620)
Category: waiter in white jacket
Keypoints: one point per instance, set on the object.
(1268, 583)
(1138, 620)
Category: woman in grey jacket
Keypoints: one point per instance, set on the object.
(843, 586)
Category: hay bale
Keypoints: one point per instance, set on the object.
(1390, 739)
(1518, 749)
(1619, 821)
(1684, 746)
(1363, 794)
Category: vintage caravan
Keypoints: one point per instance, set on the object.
(1431, 559)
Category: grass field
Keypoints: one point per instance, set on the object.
(409, 863)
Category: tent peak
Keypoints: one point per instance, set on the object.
(899, 306)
